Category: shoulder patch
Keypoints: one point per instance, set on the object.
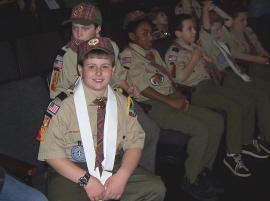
(62, 96)
(126, 60)
(53, 108)
(175, 49)
(58, 64)
(42, 130)
(172, 58)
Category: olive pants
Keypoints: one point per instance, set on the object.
(204, 126)
(142, 185)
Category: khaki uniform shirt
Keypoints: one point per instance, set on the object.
(238, 44)
(158, 33)
(141, 73)
(184, 7)
(181, 58)
(210, 48)
(68, 72)
(63, 131)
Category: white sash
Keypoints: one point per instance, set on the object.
(224, 49)
(110, 132)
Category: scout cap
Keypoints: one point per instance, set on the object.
(100, 43)
(85, 14)
(137, 15)
(214, 17)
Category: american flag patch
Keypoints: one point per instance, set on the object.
(126, 60)
(58, 64)
(53, 108)
(172, 58)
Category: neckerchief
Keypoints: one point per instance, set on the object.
(73, 44)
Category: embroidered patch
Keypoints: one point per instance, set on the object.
(172, 58)
(126, 60)
(77, 153)
(157, 79)
(42, 131)
(55, 79)
(53, 108)
(57, 64)
(175, 49)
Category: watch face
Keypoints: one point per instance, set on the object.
(83, 181)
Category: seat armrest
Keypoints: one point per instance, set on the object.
(19, 166)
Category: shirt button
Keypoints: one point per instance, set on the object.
(124, 137)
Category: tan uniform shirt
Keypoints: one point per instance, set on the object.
(181, 58)
(141, 73)
(184, 7)
(238, 44)
(210, 48)
(158, 33)
(68, 72)
(63, 133)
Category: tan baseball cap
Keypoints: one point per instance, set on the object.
(85, 14)
(137, 15)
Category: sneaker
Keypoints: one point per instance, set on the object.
(213, 184)
(265, 145)
(236, 165)
(254, 150)
(198, 190)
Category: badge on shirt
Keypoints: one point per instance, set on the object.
(57, 64)
(157, 79)
(126, 60)
(53, 108)
(77, 152)
(42, 131)
(172, 58)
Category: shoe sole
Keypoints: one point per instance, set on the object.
(266, 150)
(236, 173)
(197, 197)
(254, 155)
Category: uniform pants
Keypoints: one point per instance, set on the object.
(151, 129)
(260, 71)
(204, 126)
(257, 89)
(142, 185)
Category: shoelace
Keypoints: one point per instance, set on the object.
(239, 163)
(255, 143)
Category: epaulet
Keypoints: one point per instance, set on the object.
(175, 49)
(62, 96)
(61, 52)
(130, 105)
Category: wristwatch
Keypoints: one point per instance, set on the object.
(83, 181)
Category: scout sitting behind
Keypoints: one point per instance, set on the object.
(82, 166)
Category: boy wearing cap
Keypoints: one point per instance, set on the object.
(170, 109)
(190, 66)
(85, 130)
(86, 22)
(161, 23)
(213, 36)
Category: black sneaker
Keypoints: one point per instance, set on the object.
(213, 184)
(236, 165)
(198, 190)
(265, 145)
(254, 150)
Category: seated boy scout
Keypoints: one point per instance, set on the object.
(86, 22)
(170, 109)
(213, 38)
(83, 132)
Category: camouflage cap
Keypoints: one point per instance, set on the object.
(214, 17)
(137, 15)
(100, 43)
(85, 14)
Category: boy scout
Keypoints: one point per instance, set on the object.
(170, 109)
(87, 166)
(190, 69)
(86, 22)
(213, 36)
(161, 23)
(245, 45)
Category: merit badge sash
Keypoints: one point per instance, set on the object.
(110, 132)
(225, 51)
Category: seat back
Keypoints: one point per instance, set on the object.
(23, 104)
(9, 68)
(162, 45)
(36, 52)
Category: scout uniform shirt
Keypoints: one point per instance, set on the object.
(62, 138)
(184, 7)
(65, 65)
(208, 46)
(141, 73)
(238, 44)
(158, 33)
(179, 59)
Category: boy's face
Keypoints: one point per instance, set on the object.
(143, 36)
(240, 22)
(96, 74)
(188, 33)
(83, 32)
(216, 30)
(162, 19)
